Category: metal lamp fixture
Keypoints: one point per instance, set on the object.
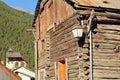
(77, 31)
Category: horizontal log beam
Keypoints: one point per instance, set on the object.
(107, 21)
(111, 15)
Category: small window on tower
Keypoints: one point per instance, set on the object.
(16, 64)
(22, 64)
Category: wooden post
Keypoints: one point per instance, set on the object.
(66, 64)
(56, 72)
(90, 45)
(36, 59)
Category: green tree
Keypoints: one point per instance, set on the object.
(13, 25)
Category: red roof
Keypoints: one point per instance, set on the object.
(9, 72)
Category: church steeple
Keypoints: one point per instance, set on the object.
(10, 50)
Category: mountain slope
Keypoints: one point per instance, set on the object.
(21, 9)
(13, 25)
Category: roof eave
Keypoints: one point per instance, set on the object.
(77, 7)
(36, 12)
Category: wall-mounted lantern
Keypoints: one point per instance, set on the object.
(77, 31)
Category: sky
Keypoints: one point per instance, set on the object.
(25, 4)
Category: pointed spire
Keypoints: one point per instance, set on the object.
(10, 50)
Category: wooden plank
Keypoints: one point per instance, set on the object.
(112, 31)
(85, 51)
(98, 78)
(106, 67)
(66, 64)
(108, 14)
(108, 71)
(74, 66)
(71, 78)
(56, 71)
(63, 42)
(109, 27)
(103, 73)
(107, 76)
(106, 36)
(101, 40)
(107, 21)
(70, 71)
(72, 58)
(66, 24)
(104, 50)
(105, 46)
(73, 62)
(106, 56)
(106, 62)
(72, 75)
(62, 56)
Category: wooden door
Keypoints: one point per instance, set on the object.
(61, 70)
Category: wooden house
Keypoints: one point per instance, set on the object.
(14, 60)
(93, 56)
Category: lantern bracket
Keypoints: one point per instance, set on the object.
(90, 21)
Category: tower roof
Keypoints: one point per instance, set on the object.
(12, 54)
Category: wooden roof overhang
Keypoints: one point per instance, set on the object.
(112, 12)
(112, 18)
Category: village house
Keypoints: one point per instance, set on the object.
(14, 60)
(24, 73)
(92, 55)
(7, 74)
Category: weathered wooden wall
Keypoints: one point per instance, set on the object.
(106, 59)
(58, 43)
(64, 46)
(53, 12)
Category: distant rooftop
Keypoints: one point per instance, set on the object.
(25, 71)
(12, 54)
(6, 71)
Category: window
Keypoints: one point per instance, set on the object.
(16, 64)
(22, 64)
